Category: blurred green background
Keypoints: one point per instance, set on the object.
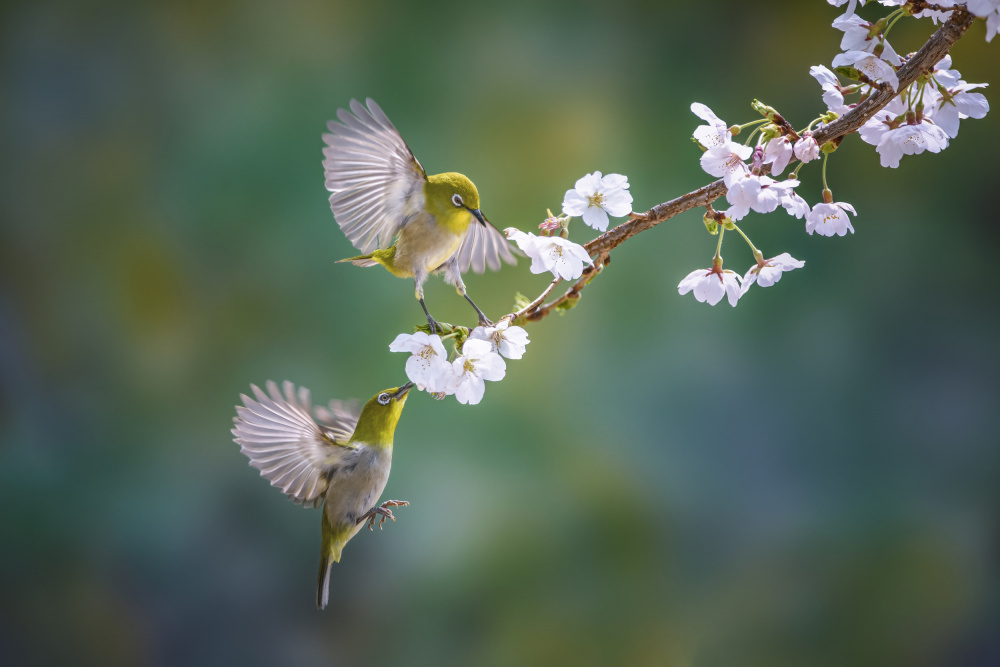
(807, 479)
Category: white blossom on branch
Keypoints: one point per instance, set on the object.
(560, 256)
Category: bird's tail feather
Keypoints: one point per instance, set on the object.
(323, 584)
(329, 554)
(360, 260)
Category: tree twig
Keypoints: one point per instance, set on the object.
(922, 62)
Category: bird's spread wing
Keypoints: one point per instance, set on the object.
(338, 420)
(483, 246)
(375, 180)
(282, 440)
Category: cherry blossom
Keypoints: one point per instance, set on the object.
(428, 365)
(944, 74)
(727, 161)
(806, 148)
(760, 193)
(594, 197)
(934, 15)
(910, 139)
(873, 67)
(959, 103)
(507, 340)
(990, 10)
(795, 205)
(562, 257)
(852, 4)
(833, 94)
(477, 363)
(857, 37)
(710, 285)
(770, 272)
(778, 154)
(886, 119)
(713, 135)
(830, 219)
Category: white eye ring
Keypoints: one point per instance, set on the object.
(383, 398)
(456, 199)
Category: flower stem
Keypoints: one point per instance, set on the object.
(827, 193)
(753, 122)
(756, 253)
(718, 246)
(809, 127)
(826, 156)
(892, 22)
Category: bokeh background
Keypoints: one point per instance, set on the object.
(808, 479)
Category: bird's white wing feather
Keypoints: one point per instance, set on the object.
(375, 180)
(338, 420)
(483, 246)
(280, 437)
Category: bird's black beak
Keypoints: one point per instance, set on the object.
(479, 216)
(402, 391)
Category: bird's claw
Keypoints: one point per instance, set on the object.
(433, 325)
(382, 512)
(485, 322)
(381, 520)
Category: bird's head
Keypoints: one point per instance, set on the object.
(454, 199)
(379, 417)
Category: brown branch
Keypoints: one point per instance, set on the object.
(922, 62)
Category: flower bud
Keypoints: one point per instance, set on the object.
(770, 131)
(711, 224)
(878, 27)
(764, 110)
(848, 72)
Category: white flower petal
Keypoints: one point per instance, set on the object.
(574, 203)
(618, 204)
(596, 217)
(692, 279)
(588, 184)
(702, 111)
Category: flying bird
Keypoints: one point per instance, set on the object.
(335, 457)
(398, 216)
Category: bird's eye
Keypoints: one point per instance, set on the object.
(456, 199)
(383, 398)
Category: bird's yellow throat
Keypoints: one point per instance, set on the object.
(377, 423)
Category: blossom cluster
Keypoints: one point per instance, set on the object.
(922, 117)
(478, 359)
(986, 9)
(593, 198)
(479, 354)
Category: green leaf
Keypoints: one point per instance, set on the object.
(568, 304)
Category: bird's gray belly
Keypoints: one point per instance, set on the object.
(356, 488)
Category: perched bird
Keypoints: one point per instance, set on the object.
(381, 193)
(339, 458)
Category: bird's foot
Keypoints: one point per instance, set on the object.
(434, 327)
(381, 513)
(483, 320)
